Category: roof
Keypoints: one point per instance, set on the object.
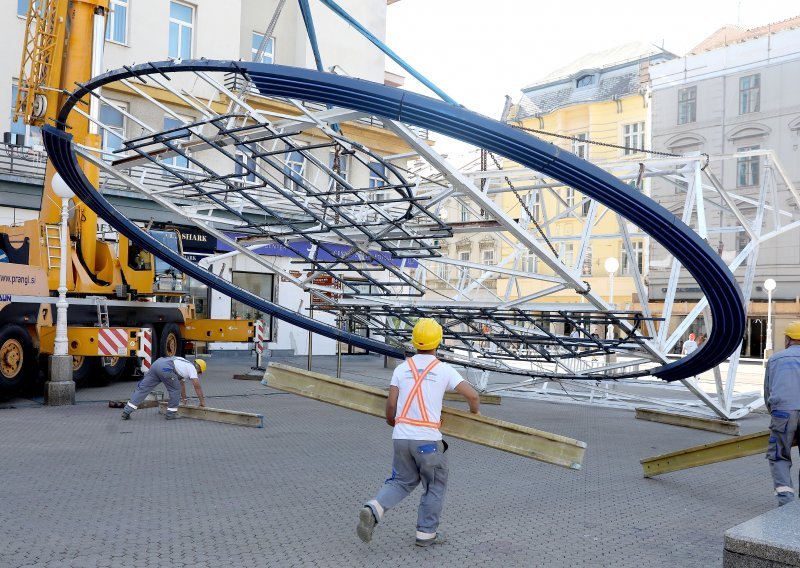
(727, 35)
(618, 72)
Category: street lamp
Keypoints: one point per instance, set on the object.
(611, 265)
(62, 190)
(769, 286)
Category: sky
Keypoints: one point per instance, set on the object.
(477, 52)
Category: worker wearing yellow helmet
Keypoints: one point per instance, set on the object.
(782, 397)
(414, 409)
(173, 372)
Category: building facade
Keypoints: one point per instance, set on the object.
(734, 97)
(157, 30)
(596, 108)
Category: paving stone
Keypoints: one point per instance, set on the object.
(82, 488)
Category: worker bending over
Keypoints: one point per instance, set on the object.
(173, 372)
(414, 408)
(782, 396)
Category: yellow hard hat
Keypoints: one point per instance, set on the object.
(793, 330)
(201, 365)
(427, 334)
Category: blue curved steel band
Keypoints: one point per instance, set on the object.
(60, 151)
(711, 274)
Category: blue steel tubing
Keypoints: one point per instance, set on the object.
(60, 151)
(711, 274)
(305, 9)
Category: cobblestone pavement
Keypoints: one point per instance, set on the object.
(82, 488)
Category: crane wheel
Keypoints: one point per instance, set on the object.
(17, 358)
(84, 369)
(170, 342)
(112, 369)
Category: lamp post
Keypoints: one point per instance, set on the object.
(611, 265)
(60, 389)
(769, 286)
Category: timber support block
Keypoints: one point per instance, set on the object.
(217, 415)
(697, 422)
(485, 398)
(498, 434)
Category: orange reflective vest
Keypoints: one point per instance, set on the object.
(416, 395)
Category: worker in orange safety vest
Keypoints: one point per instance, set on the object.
(417, 389)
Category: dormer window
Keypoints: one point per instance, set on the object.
(585, 81)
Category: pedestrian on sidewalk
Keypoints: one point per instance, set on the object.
(689, 346)
(782, 396)
(414, 409)
(173, 372)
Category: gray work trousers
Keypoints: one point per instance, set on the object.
(417, 461)
(783, 432)
(158, 373)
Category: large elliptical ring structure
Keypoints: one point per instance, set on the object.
(711, 274)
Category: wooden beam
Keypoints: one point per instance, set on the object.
(699, 423)
(498, 434)
(217, 415)
(485, 398)
(714, 452)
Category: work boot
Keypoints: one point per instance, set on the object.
(172, 416)
(126, 415)
(366, 524)
(438, 539)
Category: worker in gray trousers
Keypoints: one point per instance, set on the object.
(173, 372)
(414, 409)
(782, 397)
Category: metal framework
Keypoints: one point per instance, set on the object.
(254, 162)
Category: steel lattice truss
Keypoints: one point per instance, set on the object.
(253, 169)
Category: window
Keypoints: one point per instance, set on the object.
(638, 253)
(749, 94)
(245, 168)
(569, 196)
(747, 168)
(585, 81)
(463, 255)
(586, 268)
(487, 257)
(443, 271)
(113, 130)
(268, 56)
(32, 134)
(530, 262)
(259, 284)
(377, 179)
(343, 168)
(566, 252)
(742, 240)
(687, 105)
(464, 213)
(171, 124)
(535, 202)
(181, 24)
(580, 146)
(117, 24)
(633, 138)
(295, 167)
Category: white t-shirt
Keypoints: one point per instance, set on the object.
(440, 379)
(185, 369)
(689, 347)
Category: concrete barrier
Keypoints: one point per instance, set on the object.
(771, 540)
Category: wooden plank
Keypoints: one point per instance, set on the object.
(498, 434)
(217, 415)
(714, 452)
(699, 423)
(485, 398)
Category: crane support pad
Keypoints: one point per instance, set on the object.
(498, 434)
(217, 415)
(697, 422)
(731, 449)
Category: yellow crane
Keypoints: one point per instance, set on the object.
(62, 48)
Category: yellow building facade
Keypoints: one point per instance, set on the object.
(597, 108)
